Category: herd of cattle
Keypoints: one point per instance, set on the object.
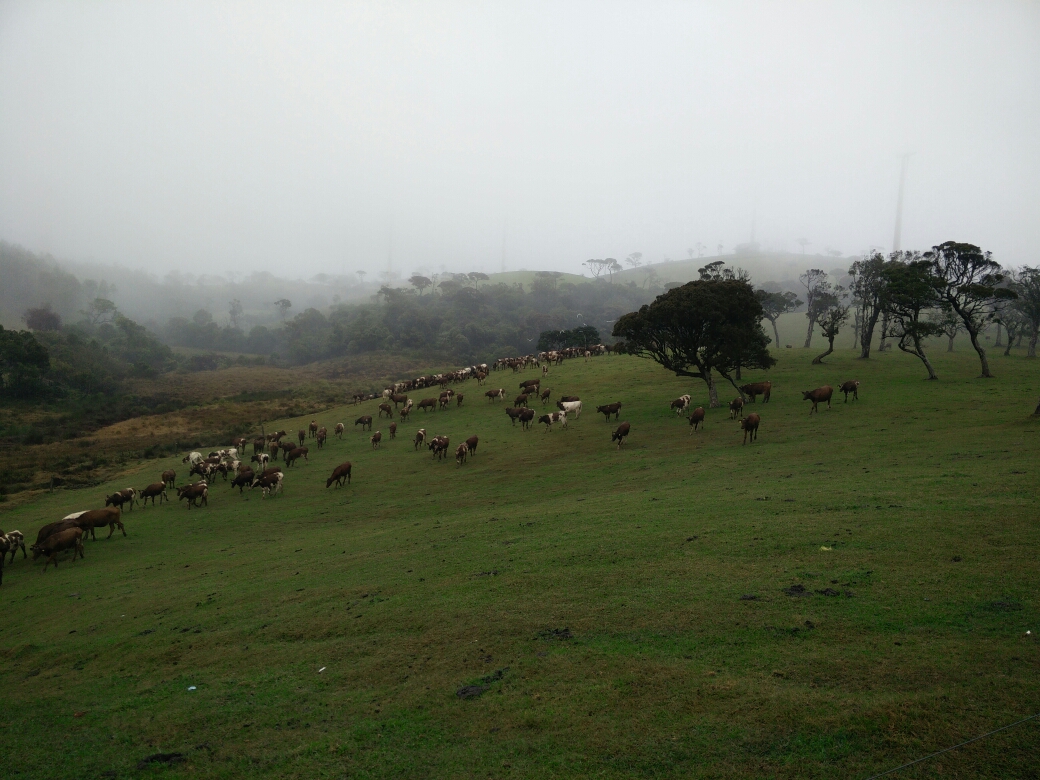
(67, 534)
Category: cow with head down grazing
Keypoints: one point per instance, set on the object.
(696, 418)
(621, 434)
(852, 386)
(681, 404)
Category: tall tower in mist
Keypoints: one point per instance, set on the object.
(897, 238)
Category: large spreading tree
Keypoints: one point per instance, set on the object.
(1026, 285)
(868, 295)
(816, 289)
(698, 329)
(911, 291)
(776, 303)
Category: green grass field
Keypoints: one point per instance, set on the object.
(602, 598)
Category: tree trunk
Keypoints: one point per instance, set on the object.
(1032, 343)
(857, 322)
(951, 338)
(997, 342)
(974, 336)
(867, 334)
(919, 353)
(1011, 340)
(776, 333)
(884, 334)
(830, 348)
(808, 335)
(738, 370)
(713, 391)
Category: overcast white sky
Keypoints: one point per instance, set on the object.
(306, 137)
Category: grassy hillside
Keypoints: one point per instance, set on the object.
(628, 613)
(527, 277)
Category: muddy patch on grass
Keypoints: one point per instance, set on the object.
(161, 758)
(798, 591)
(555, 634)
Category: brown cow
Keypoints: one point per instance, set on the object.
(758, 389)
(530, 384)
(460, 455)
(296, 454)
(302, 436)
(99, 518)
(494, 395)
(393, 430)
(547, 421)
(852, 386)
(258, 445)
(67, 539)
(420, 438)
(153, 490)
(323, 434)
(521, 400)
(313, 428)
(399, 398)
(287, 447)
(444, 400)
(192, 493)
(405, 412)
(545, 396)
(610, 409)
(526, 416)
(428, 403)
(339, 430)
(620, 434)
(570, 399)
(696, 418)
(341, 472)
(819, 394)
(749, 424)
(458, 400)
(243, 479)
(169, 478)
(514, 413)
(439, 445)
(736, 406)
(471, 444)
(364, 420)
(376, 438)
(387, 409)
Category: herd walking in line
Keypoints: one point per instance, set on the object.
(67, 534)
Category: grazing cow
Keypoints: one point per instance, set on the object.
(420, 438)
(526, 416)
(545, 396)
(399, 398)
(375, 439)
(153, 490)
(736, 406)
(458, 400)
(192, 458)
(358, 398)
(521, 400)
(67, 539)
(569, 399)
(749, 424)
(243, 479)
(261, 460)
(756, 389)
(560, 418)
(386, 409)
(301, 435)
(819, 394)
(405, 412)
(60, 525)
(547, 420)
(169, 477)
(341, 472)
(471, 444)
(295, 454)
(494, 395)
(460, 455)
(514, 413)
(681, 404)
(338, 430)
(98, 518)
(363, 421)
(443, 401)
(530, 384)
(258, 445)
(852, 386)
(15, 540)
(194, 493)
(620, 434)
(269, 486)
(270, 471)
(323, 434)
(696, 418)
(287, 447)
(439, 446)
(393, 430)
(313, 428)
(573, 407)
(428, 403)
(610, 409)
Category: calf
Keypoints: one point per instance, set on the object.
(610, 409)
(124, 496)
(819, 394)
(301, 437)
(243, 479)
(99, 518)
(428, 403)
(363, 421)
(169, 478)
(338, 430)
(696, 418)
(735, 408)
(375, 439)
(153, 490)
(458, 400)
(340, 473)
(681, 404)
(620, 434)
(749, 424)
(526, 416)
(296, 454)
(460, 455)
(393, 430)
(521, 400)
(545, 396)
(573, 407)
(757, 389)
(198, 491)
(386, 409)
(514, 413)
(852, 386)
(68, 539)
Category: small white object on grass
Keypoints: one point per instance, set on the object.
(322, 669)
(191, 687)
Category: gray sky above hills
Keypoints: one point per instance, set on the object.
(300, 138)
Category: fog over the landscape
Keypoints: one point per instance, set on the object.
(300, 138)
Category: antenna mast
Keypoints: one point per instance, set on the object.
(897, 238)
